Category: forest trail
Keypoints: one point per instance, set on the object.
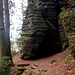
(57, 64)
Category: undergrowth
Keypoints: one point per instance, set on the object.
(5, 64)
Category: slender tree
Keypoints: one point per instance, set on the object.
(2, 32)
(7, 27)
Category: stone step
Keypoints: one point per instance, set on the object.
(23, 64)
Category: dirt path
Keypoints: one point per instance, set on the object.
(52, 65)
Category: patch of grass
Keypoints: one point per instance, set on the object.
(29, 73)
(68, 59)
(44, 70)
(19, 71)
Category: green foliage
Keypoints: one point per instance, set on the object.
(18, 72)
(72, 48)
(65, 13)
(68, 59)
(5, 64)
(67, 18)
(29, 73)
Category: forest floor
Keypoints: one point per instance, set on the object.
(57, 64)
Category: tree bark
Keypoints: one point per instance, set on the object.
(2, 32)
(7, 27)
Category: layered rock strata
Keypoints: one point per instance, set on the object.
(40, 34)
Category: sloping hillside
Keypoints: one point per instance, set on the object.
(58, 64)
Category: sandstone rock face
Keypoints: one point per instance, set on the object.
(67, 17)
(40, 30)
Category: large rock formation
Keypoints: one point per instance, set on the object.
(41, 33)
(67, 18)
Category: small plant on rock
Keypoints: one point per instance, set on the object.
(29, 73)
(68, 59)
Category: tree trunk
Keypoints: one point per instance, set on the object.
(7, 27)
(2, 32)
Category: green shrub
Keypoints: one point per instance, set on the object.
(5, 64)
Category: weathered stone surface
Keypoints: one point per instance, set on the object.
(67, 17)
(40, 30)
(50, 11)
(33, 31)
